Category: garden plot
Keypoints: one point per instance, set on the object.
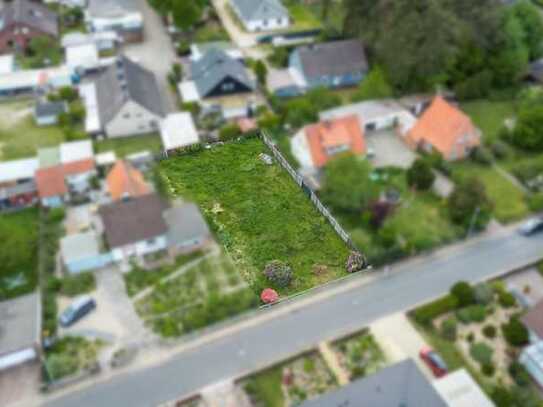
(209, 292)
(291, 383)
(259, 214)
(359, 355)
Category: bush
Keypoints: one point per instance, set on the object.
(472, 313)
(470, 337)
(488, 369)
(482, 353)
(449, 329)
(483, 293)
(229, 132)
(519, 374)
(470, 197)
(77, 284)
(420, 175)
(489, 331)
(535, 202)
(61, 365)
(506, 299)
(515, 333)
(500, 149)
(425, 314)
(278, 273)
(482, 156)
(464, 294)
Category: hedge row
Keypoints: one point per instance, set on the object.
(426, 313)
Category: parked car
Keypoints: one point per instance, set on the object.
(531, 227)
(77, 310)
(436, 364)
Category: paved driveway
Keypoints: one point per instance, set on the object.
(389, 149)
(239, 36)
(20, 385)
(156, 53)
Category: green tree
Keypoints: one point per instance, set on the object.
(347, 185)
(464, 294)
(374, 86)
(469, 204)
(261, 72)
(527, 133)
(420, 175)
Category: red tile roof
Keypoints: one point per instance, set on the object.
(78, 167)
(50, 182)
(124, 180)
(444, 127)
(334, 133)
(533, 319)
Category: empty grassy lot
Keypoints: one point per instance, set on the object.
(20, 137)
(489, 116)
(129, 145)
(18, 253)
(258, 213)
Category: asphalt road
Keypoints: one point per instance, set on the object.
(407, 284)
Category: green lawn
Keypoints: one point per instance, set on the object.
(19, 135)
(302, 16)
(509, 200)
(129, 145)
(266, 387)
(258, 213)
(18, 253)
(489, 116)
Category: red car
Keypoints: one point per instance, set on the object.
(434, 362)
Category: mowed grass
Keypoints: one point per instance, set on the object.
(18, 253)
(258, 213)
(489, 116)
(20, 137)
(303, 18)
(509, 201)
(129, 145)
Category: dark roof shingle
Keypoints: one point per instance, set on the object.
(30, 13)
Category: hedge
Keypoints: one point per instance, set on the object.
(425, 314)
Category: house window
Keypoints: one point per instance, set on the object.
(228, 86)
(337, 149)
(151, 241)
(126, 116)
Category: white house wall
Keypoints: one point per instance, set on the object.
(301, 151)
(139, 249)
(132, 119)
(17, 358)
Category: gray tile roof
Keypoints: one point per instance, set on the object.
(185, 223)
(399, 385)
(133, 220)
(260, 9)
(213, 68)
(125, 80)
(20, 323)
(333, 58)
(111, 8)
(30, 13)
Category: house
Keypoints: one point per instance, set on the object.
(23, 20)
(401, 384)
(47, 113)
(316, 144)
(330, 64)
(34, 80)
(124, 181)
(135, 227)
(52, 189)
(458, 389)
(83, 58)
(17, 171)
(532, 359)
(80, 252)
(533, 320)
(18, 196)
(128, 100)
(282, 83)
(197, 51)
(121, 16)
(177, 131)
(375, 115)
(261, 15)
(7, 64)
(187, 229)
(216, 74)
(20, 330)
(535, 71)
(445, 129)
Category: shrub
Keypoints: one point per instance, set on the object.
(488, 369)
(470, 197)
(470, 337)
(515, 333)
(535, 202)
(464, 294)
(472, 313)
(482, 156)
(489, 331)
(356, 262)
(425, 314)
(229, 132)
(61, 365)
(77, 284)
(482, 353)
(420, 175)
(278, 273)
(500, 149)
(519, 374)
(449, 329)
(506, 299)
(483, 293)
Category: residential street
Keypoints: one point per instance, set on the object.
(263, 342)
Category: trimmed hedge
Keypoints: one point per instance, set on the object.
(472, 313)
(425, 314)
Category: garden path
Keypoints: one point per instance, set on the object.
(330, 358)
